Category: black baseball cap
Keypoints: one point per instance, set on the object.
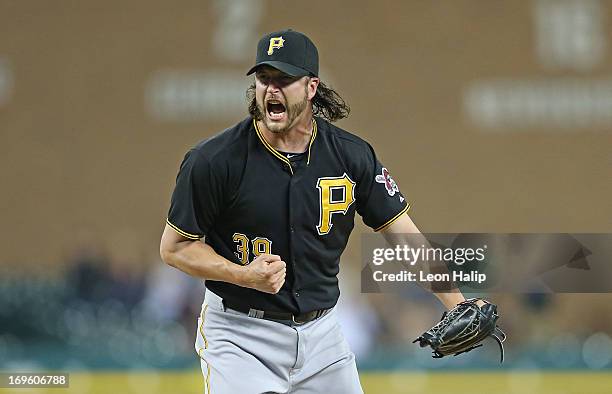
(288, 51)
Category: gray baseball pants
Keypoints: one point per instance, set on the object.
(248, 355)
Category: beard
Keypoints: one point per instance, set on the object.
(258, 111)
(293, 111)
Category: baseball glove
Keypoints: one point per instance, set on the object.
(463, 328)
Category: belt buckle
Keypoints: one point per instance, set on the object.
(298, 323)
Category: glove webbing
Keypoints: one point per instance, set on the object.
(471, 330)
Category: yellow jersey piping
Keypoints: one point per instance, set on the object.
(277, 153)
(207, 378)
(393, 219)
(312, 138)
(183, 233)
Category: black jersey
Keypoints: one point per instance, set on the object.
(246, 198)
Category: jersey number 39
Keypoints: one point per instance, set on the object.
(260, 245)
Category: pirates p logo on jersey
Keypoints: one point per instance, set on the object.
(385, 179)
(275, 43)
(327, 205)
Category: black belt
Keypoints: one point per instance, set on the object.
(283, 316)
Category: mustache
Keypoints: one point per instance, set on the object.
(275, 97)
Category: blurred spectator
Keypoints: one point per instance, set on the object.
(172, 295)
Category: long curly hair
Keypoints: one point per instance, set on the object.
(326, 103)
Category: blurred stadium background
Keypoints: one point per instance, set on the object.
(493, 116)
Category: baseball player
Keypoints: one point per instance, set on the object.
(262, 211)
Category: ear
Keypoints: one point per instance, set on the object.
(311, 87)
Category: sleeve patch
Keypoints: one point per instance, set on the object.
(385, 178)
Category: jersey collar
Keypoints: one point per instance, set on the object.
(279, 155)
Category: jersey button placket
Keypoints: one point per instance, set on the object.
(292, 187)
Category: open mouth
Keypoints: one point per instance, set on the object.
(275, 109)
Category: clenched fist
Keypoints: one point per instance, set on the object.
(266, 273)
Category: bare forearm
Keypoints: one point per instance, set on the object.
(200, 260)
(405, 232)
(451, 299)
(266, 273)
